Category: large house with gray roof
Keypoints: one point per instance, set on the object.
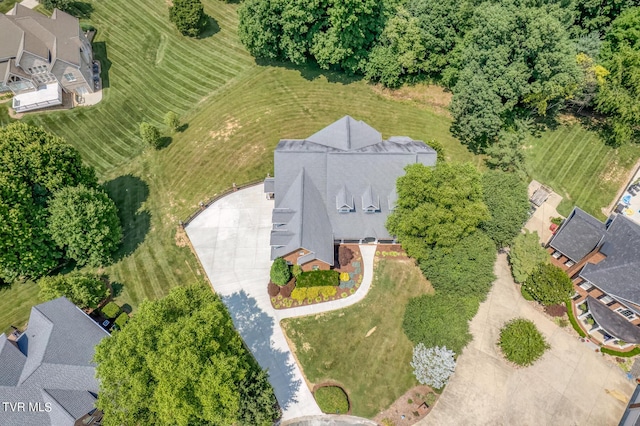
(41, 56)
(603, 261)
(47, 376)
(337, 186)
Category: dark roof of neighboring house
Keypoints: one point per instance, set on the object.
(346, 165)
(579, 235)
(613, 322)
(51, 362)
(631, 416)
(619, 273)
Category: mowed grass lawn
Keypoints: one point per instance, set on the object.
(374, 370)
(577, 164)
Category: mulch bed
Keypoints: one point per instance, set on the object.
(408, 409)
(281, 302)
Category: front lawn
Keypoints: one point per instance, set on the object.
(374, 370)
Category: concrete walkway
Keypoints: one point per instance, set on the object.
(231, 239)
(570, 385)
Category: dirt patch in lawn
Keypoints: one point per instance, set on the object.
(411, 407)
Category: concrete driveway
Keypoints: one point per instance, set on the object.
(231, 239)
(569, 385)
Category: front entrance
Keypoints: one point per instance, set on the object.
(369, 240)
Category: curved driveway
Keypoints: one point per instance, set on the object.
(231, 239)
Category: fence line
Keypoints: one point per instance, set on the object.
(215, 198)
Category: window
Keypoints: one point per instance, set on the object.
(627, 313)
(70, 77)
(586, 285)
(606, 299)
(300, 253)
(370, 210)
(315, 267)
(344, 210)
(569, 263)
(82, 90)
(556, 254)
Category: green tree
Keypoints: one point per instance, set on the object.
(188, 17)
(33, 164)
(517, 60)
(619, 91)
(165, 367)
(596, 15)
(333, 34)
(526, 255)
(437, 206)
(84, 290)
(150, 134)
(507, 153)
(549, 284)
(84, 223)
(440, 320)
(172, 121)
(521, 342)
(505, 194)
(280, 273)
(466, 269)
(56, 4)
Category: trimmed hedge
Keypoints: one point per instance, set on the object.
(629, 354)
(110, 310)
(572, 319)
(280, 273)
(122, 319)
(332, 400)
(311, 293)
(319, 279)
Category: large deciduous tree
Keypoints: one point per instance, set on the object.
(596, 15)
(549, 284)
(517, 59)
(188, 16)
(437, 206)
(334, 34)
(84, 222)
(33, 165)
(619, 92)
(526, 255)
(84, 290)
(505, 194)
(179, 361)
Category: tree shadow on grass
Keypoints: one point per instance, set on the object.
(181, 128)
(128, 193)
(79, 9)
(127, 308)
(312, 71)
(211, 29)
(255, 328)
(117, 288)
(164, 142)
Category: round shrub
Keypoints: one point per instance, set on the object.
(344, 277)
(110, 310)
(280, 272)
(273, 289)
(345, 255)
(549, 284)
(332, 400)
(521, 342)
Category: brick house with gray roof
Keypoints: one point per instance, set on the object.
(336, 186)
(41, 56)
(47, 376)
(603, 261)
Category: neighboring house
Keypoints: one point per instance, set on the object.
(631, 416)
(336, 186)
(47, 376)
(40, 57)
(603, 261)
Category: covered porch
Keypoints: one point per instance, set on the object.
(607, 326)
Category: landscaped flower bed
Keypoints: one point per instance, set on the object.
(313, 289)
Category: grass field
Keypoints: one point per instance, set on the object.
(577, 164)
(374, 370)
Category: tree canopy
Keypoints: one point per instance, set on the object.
(526, 255)
(334, 34)
(549, 284)
(505, 194)
(437, 206)
(180, 361)
(84, 290)
(188, 16)
(33, 165)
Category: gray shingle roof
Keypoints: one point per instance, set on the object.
(579, 234)
(612, 322)
(619, 273)
(58, 345)
(11, 362)
(347, 165)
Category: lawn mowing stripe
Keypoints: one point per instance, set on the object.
(568, 166)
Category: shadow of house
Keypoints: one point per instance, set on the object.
(255, 327)
(129, 193)
(100, 54)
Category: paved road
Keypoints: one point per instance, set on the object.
(231, 239)
(569, 385)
